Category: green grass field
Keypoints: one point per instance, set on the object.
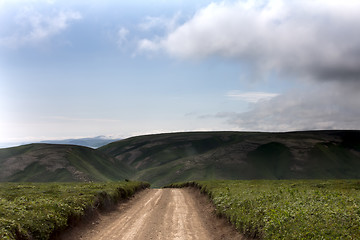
(288, 209)
(38, 210)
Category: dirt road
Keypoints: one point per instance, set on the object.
(160, 214)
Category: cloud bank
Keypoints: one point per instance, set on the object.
(313, 39)
(325, 106)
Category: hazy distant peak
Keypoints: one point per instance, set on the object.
(93, 142)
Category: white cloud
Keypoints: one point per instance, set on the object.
(168, 24)
(251, 97)
(146, 44)
(317, 39)
(33, 27)
(163, 24)
(122, 36)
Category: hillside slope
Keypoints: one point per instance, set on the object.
(165, 158)
(53, 162)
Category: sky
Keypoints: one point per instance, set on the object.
(72, 69)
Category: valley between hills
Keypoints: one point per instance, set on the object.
(162, 159)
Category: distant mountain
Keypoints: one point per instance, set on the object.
(94, 142)
(60, 163)
(165, 158)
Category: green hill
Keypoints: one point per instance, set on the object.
(165, 158)
(172, 157)
(53, 162)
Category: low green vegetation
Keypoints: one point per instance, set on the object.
(40, 210)
(288, 209)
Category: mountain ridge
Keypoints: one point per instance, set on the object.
(171, 157)
(92, 142)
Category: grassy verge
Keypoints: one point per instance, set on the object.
(288, 209)
(38, 210)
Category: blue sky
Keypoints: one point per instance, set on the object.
(73, 69)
